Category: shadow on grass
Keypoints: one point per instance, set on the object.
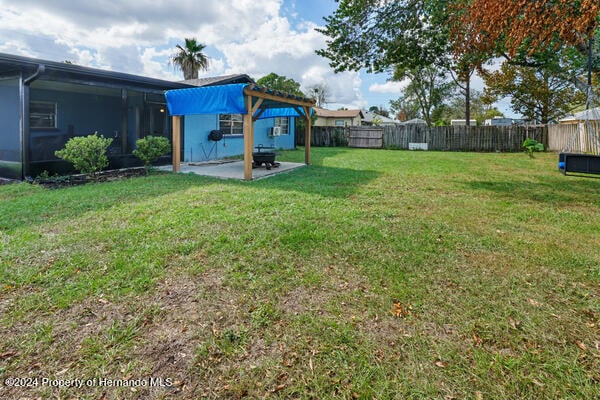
(25, 205)
(28, 206)
(320, 180)
(546, 189)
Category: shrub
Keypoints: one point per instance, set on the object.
(531, 145)
(87, 153)
(150, 148)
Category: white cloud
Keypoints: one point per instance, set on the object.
(242, 36)
(390, 87)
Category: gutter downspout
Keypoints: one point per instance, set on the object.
(25, 130)
(41, 69)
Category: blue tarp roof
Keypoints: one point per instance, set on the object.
(223, 99)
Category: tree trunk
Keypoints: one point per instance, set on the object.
(468, 100)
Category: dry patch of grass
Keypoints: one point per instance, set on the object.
(370, 274)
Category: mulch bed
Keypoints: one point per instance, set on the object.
(56, 182)
(4, 181)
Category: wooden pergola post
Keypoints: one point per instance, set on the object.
(176, 142)
(248, 138)
(307, 136)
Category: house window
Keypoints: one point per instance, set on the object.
(340, 122)
(231, 124)
(42, 114)
(284, 124)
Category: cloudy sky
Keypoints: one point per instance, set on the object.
(253, 37)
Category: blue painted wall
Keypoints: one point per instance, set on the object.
(197, 147)
(10, 137)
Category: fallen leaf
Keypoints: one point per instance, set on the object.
(441, 364)
(512, 323)
(401, 311)
(581, 345)
(279, 388)
(533, 302)
(8, 354)
(536, 382)
(478, 395)
(282, 377)
(477, 339)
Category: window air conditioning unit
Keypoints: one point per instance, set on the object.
(275, 131)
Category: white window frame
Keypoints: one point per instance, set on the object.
(231, 124)
(284, 124)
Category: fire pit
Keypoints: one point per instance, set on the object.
(264, 157)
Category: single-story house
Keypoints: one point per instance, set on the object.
(339, 118)
(370, 119)
(196, 146)
(501, 121)
(462, 122)
(45, 103)
(593, 114)
(414, 121)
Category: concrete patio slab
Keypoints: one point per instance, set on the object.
(231, 169)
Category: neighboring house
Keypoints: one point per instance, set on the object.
(196, 145)
(45, 103)
(462, 122)
(501, 121)
(338, 118)
(498, 121)
(370, 119)
(593, 114)
(414, 121)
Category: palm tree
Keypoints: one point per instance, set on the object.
(190, 59)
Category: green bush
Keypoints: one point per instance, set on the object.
(531, 145)
(150, 148)
(87, 153)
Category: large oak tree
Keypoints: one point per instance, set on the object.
(388, 36)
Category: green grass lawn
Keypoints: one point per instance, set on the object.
(370, 274)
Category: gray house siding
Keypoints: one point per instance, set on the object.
(10, 136)
(121, 114)
(61, 101)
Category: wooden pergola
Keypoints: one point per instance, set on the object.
(259, 101)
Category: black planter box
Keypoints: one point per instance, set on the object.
(583, 163)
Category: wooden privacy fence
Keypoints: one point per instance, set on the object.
(325, 136)
(583, 137)
(463, 138)
(444, 138)
(370, 137)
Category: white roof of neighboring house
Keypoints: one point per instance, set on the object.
(370, 116)
(321, 112)
(593, 114)
(415, 121)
